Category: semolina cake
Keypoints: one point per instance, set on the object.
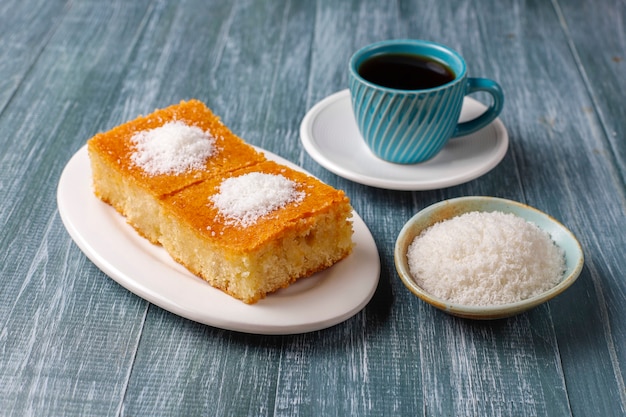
(288, 225)
(195, 145)
(246, 225)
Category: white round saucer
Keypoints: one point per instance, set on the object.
(330, 135)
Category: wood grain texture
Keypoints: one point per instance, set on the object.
(68, 335)
(599, 48)
(598, 42)
(25, 35)
(72, 342)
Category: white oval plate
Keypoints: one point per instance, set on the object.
(317, 302)
(330, 135)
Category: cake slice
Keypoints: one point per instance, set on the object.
(246, 225)
(136, 164)
(257, 229)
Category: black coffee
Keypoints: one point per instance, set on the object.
(405, 71)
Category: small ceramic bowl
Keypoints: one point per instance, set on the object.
(447, 209)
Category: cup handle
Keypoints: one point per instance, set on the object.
(488, 86)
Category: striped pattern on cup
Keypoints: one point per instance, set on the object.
(405, 127)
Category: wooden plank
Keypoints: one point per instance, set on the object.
(184, 368)
(598, 34)
(68, 334)
(24, 35)
(598, 45)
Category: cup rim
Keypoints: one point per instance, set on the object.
(356, 56)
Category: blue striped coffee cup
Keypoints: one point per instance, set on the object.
(409, 126)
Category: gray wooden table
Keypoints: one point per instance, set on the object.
(74, 342)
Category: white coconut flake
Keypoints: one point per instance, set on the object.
(244, 199)
(481, 258)
(173, 148)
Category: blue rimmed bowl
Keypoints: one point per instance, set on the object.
(574, 258)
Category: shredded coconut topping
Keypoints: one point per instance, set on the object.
(485, 259)
(173, 148)
(244, 199)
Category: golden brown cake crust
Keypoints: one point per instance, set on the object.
(116, 146)
(194, 205)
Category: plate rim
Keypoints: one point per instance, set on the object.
(314, 150)
(365, 247)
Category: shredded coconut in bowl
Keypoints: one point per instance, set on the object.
(485, 258)
(173, 148)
